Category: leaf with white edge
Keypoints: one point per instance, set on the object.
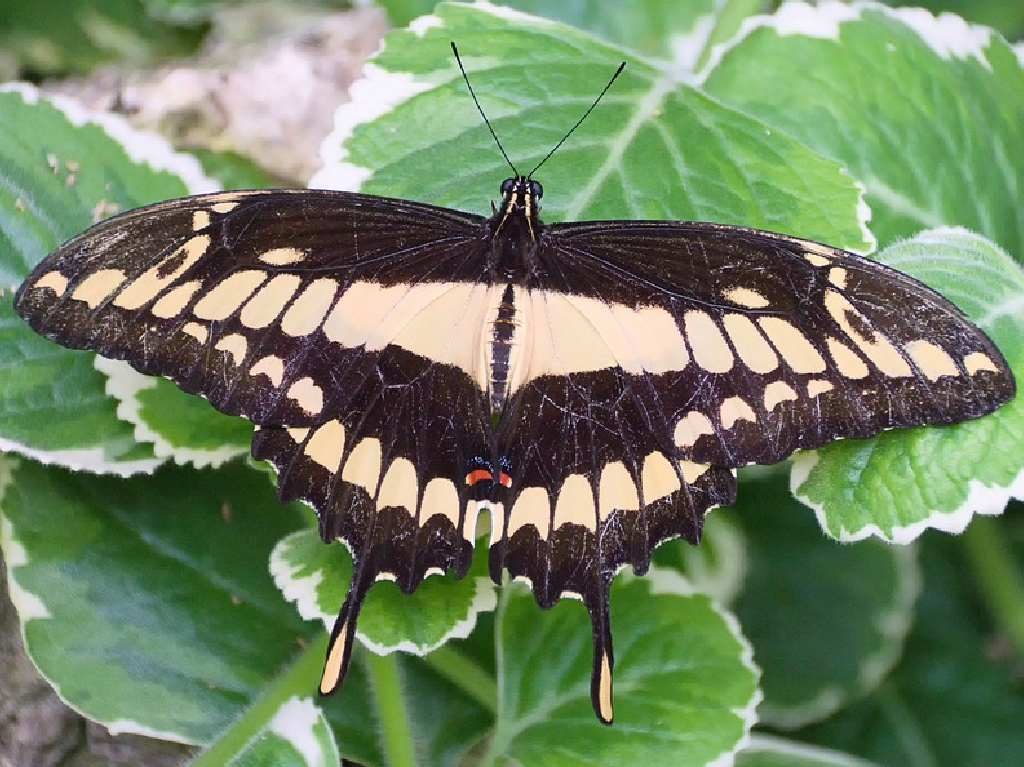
(297, 736)
(315, 577)
(179, 426)
(951, 702)
(685, 687)
(846, 609)
(63, 168)
(146, 602)
(925, 110)
(769, 751)
(655, 148)
(653, 27)
(902, 482)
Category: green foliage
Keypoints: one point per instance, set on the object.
(190, 604)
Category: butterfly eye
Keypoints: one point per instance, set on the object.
(507, 186)
(536, 190)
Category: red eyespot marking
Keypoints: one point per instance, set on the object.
(505, 479)
(478, 475)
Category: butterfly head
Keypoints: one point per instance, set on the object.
(521, 194)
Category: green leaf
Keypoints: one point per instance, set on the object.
(949, 703)
(768, 751)
(653, 27)
(846, 609)
(1008, 18)
(315, 577)
(179, 426)
(718, 565)
(297, 736)
(655, 148)
(146, 602)
(685, 683)
(79, 35)
(926, 112)
(902, 482)
(64, 168)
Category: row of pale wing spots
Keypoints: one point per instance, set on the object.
(325, 446)
(309, 310)
(575, 503)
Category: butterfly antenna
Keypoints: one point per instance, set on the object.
(481, 110)
(580, 121)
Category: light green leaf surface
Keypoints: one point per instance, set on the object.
(179, 426)
(768, 751)
(685, 685)
(315, 577)
(655, 148)
(955, 700)
(146, 602)
(827, 621)
(718, 565)
(654, 27)
(927, 112)
(62, 169)
(902, 482)
(297, 736)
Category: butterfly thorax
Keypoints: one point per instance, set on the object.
(514, 231)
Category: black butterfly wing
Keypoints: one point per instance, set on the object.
(339, 323)
(675, 352)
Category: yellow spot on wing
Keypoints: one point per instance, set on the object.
(307, 394)
(776, 393)
(736, 409)
(532, 507)
(235, 345)
(977, 361)
(326, 445)
(755, 352)
(196, 330)
(97, 286)
(692, 427)
(224, 298)
(932, 360)
(616, 491)
(55, 281)
(263, 308)
(710, 350)
(399, 486)
(282, 256)
(746, 297)
(153, 280)
(173, 301)
(575, 503)
(270, 366)
(794, 347)
(849, 364)
(307, 312)
(658, 478)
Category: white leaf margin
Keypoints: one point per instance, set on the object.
(302, 591)
(144, 148)
(947, 34)
(663, 580)
(826, 757)
(124, 384)
(302, 724)
(982, 499)
(30, 607)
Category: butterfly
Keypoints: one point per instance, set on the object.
(593, 386)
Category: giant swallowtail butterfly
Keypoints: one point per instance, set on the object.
(593, 385)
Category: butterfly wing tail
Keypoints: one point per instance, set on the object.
(339, 649)
(604, 659)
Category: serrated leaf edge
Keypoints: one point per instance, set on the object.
(124, 384)
(295, 722)
(662, 580)
(946, 34)
(142, 147)
(302, 591)
(988, 500)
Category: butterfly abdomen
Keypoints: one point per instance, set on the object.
(502, 338)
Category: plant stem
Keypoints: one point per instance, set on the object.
(465, 674)
(499, 738)
(392, 713)
(997, 575)
(298, 679)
